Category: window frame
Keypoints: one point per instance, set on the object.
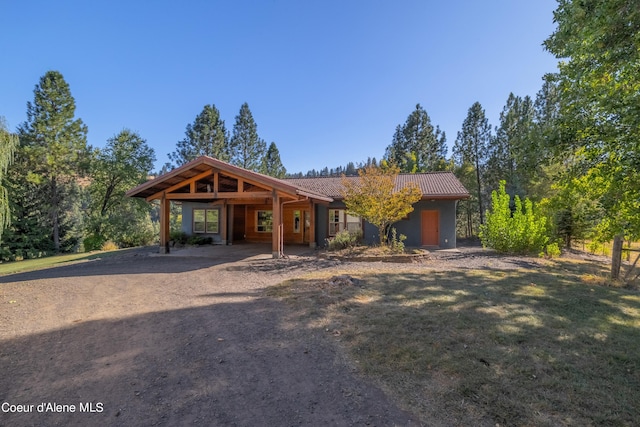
(267, 226)
(215, 224)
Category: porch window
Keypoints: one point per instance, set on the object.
(339, 220)
(206, 220)
(264, 221)
(296, 221)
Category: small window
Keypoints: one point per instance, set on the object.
(264, 222)
(339, 220)
(296, 221)
(206, 220)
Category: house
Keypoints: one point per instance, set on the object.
(232, 204)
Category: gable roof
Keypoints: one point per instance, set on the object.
(205, 163)
(434, 185)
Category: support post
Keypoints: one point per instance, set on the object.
(165, 212)
(312, 224)
(230, 225)
(275, 229)
(616, 256)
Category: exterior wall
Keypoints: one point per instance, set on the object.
(187, 220)
(411, 227)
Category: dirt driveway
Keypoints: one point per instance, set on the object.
(172, 340)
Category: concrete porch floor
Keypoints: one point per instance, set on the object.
(236, 252)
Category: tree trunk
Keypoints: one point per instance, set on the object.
(616, 257)
(55, 214)
(479, 192)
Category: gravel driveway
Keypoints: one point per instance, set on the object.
(172, 340)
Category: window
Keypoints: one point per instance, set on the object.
(296, 221)
(206, 220)
(339, 220)
(264, 222)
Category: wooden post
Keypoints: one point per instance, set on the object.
(230, 225)
(165, 212)
(312, 224)
(222, 222)
(616, 257)
(275, 229)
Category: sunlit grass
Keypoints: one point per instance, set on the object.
(487, 347)
(53, 261)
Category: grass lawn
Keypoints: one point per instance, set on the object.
(486, 347)
(55, 260)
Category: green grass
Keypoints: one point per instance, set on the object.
(487, 347)
(54, 261)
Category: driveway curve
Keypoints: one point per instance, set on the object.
(142, 340)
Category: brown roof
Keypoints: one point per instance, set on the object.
(435, 185)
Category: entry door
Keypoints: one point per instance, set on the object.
(430, 228)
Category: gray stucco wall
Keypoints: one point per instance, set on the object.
(187, 220)
(410, 227)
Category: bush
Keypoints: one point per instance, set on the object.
(522, 231)
(109, 246)
(344, 239)
(93, 243)
(552, 250)
(179, 237)
(396, 243)
(199, 240)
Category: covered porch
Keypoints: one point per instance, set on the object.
(229, 204)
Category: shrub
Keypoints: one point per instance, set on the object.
(519, 232)
(199, 240)
(179, 237)
(552, 250)
(396, 243)
(344, 239)
(109, 246)
(93, 243)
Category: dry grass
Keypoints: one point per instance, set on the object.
(487, 347)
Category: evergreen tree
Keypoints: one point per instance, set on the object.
(272, 165)
(8, 145)
(54, 144)
(471, 148)
(247, 149)
(207, 136)
(417, 146)
(513, 154)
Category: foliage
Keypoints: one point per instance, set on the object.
(417, 146)
(375, 198)
(271, 163)
(93, 243)
(124, 163)
(552, 250)
(199, 240)
(8, 145)
(471, 148)
(109, 246)
(54, 146)
(178, 237)
(344, 239)
(520, 231)
(246, 148)
(599, 79)
(207, 136)
(396, 243)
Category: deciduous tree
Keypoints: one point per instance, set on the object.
(375, 198)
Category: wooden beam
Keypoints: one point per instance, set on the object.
(165, 212)
(230, 195)
(312, 224)
(277, 223)
(174, 187)
(216, 183)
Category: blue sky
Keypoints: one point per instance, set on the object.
(328, 81)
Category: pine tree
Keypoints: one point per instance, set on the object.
(54, 143)
(247, 149)
(272, 165)
(471, 148)
(417, 146)
(207, 136)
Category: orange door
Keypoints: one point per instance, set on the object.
(430, 228)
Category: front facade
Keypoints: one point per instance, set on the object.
(231, 204)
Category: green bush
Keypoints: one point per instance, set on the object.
(344, 239)
(199, 240)
(93, 243)
(396, 243)
(552, 250)
(179, 237)
(522, 231)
